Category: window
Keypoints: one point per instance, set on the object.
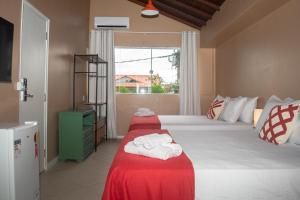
(147, 70)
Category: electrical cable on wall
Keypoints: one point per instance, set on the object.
(142, 59)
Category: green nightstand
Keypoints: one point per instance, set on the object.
(76, 134)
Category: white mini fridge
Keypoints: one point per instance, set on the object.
(19, 162)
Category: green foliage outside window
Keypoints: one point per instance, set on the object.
(123, 89)
(175, 87)
(157, 89)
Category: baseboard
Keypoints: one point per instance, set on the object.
(52, 163)
(120, 137)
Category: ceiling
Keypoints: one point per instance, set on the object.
(194, 13)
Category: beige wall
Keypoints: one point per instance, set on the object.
(129, 103)
(68, 34)
(263, 59)
(206, 73)
(234, 16)
(124, 8)
(9, 104)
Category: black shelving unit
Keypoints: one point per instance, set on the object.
(98, 64)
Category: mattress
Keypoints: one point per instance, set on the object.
(192, 122)
(238, 165)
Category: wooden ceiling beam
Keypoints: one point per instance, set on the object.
(209, 4)
(192, 10)
(174, 13)
(178, 13)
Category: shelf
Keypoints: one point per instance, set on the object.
(101, 123)
(94, 76)
(99, 119)
(84, 111)
(87, 128)
(85, 72)
(100, 104)
(91, 58)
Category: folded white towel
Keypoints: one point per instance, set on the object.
(143, 109)
(152, 140)
(163, 151)
(175, 148)
(144, 113)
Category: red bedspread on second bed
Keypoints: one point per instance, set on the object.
(134, 177)
(149, 122)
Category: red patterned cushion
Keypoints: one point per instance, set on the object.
(279, 125)
(215, 109)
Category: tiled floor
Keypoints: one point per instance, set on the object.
(79, 181)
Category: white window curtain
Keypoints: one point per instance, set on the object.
(188, 88)
(102, 43)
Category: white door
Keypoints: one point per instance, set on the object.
(34, 61)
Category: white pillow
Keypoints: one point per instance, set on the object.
(233, 109)
(219, 97)
(248, 111)
(288, 100)
(225, 99)
(272, 101)
(295, 137)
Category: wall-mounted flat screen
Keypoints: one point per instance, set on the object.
(6, 48)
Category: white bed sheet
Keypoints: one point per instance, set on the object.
(187, 119)
(237, 165)
(192, 122)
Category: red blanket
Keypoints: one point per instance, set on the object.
(134, 177)
(149, 122)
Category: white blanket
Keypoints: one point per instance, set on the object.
(152, 140)
(189, 122)
(162, 151)
(237, 165)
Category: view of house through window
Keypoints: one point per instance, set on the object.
(147, 70)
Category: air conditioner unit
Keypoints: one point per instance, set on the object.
(112, 22)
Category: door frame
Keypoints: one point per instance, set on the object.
(47, 20)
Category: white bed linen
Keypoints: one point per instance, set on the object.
(192, 122)
(186, 119)
(237, 165)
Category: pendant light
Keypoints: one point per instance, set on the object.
(150, 10)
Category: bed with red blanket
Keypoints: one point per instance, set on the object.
(141, 178)
(147, 122)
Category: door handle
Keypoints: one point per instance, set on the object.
(23, 90)
(29, 95)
